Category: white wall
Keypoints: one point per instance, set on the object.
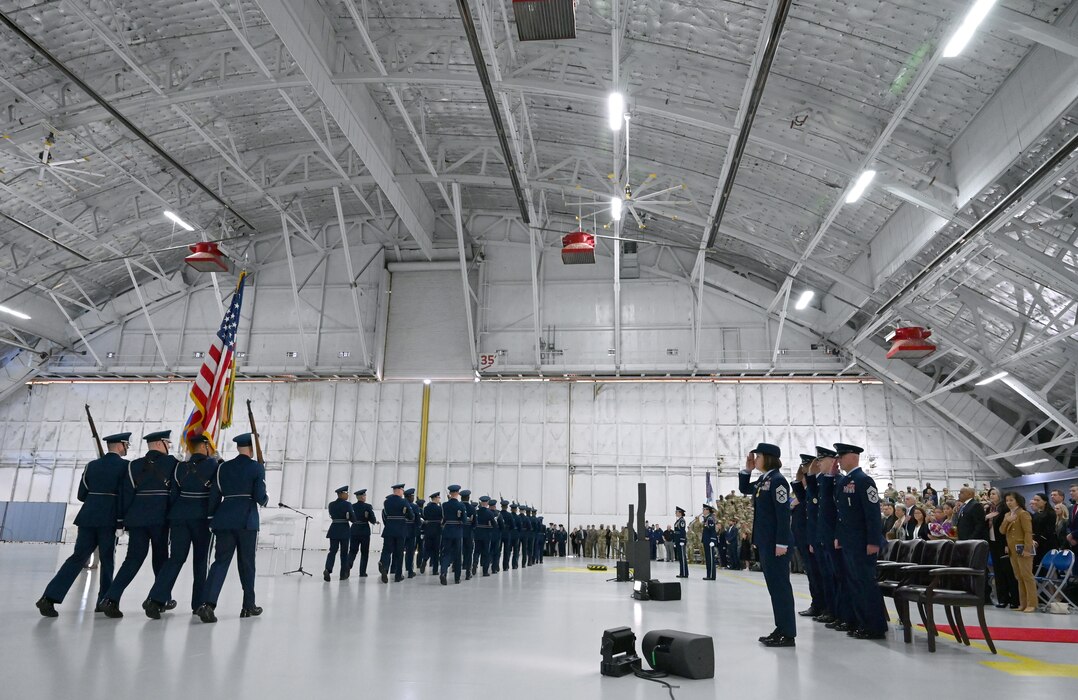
(507, 438)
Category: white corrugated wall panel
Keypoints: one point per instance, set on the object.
(427, 336)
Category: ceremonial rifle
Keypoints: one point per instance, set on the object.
(93, 432)
(254, 432)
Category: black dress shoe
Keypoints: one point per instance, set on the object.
(467, 575)
(1013, 606)
(398, 578)
(456, 579)
(170, 605)
(205, 613)
(825, 618)
(251, 612)
(411, 574)
(811, 612)
(384, 575)
(111, 609)
(153, 609)
(422, 568)
(363, 575)
(780, 640)
(442, 580)
(865, 634)
(344, 577)
(486, 573)
(839, 626)
(98, 608)
(1001, 605)
(325, 575)
(763, 640)
(854, 632)
(45, 607)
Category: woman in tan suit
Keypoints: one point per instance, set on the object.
(1017, 526)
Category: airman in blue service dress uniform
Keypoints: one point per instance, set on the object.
(188, 526)
(484, 530)
(432, 533)
(816, 556)
(680, 537)
(412, 539)
(468, 552)
(860, 536)
(799, 526)
(235, 495)
(500, 535)
(771, 535)
(339, 533)
(832, 570)
(144, 500)
(97, 521)
(361, 533)
(396, 514)
(709, 538)
(511, 546)
(453, 514)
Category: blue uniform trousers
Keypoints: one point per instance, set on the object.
(864, 592)
(724, 554)
(392, 555)
(409, 553)
(482, 554)
(432, 545)
(338, 543)
(360, 544)
(710, 546)
(139, 541)
(495, 554)
(88, 539)
(468, 557)
(812, 574)
(777, 575)
(825, 571)
(683, 558)
(843, 592)
(242, 544)
(510, 550)
(185, 535)
(733, 555)
(452, 555)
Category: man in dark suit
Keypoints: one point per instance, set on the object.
(1072, 524)
(970, 521)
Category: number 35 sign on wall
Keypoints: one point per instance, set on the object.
(487, 361)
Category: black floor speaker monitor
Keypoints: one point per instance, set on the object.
(657, 590)
(680, 653)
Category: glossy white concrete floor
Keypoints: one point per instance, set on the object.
(531, 633)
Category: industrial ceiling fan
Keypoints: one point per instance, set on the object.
(45, 164)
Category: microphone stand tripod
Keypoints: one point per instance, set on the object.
(303, 546)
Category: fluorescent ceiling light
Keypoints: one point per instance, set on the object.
(994, 377)
(969, 25)
(615, 208)
(13, 312)
(1031, 463)
(803, 301)
(860, 186)
(615, 110)
(178, 221)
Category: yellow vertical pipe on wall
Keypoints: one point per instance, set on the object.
(423, 420)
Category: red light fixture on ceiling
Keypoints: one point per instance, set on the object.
(578, 248)
(207, 257)
(910, 343)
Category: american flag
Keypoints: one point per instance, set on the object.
(213, 387)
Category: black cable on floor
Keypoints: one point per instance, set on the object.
(656, 677)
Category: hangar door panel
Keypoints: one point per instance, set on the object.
(427, 333)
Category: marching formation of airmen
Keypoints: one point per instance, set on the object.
(171, 507)
(832, 515)
(458, 536)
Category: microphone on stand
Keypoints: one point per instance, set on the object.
(303, 546)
